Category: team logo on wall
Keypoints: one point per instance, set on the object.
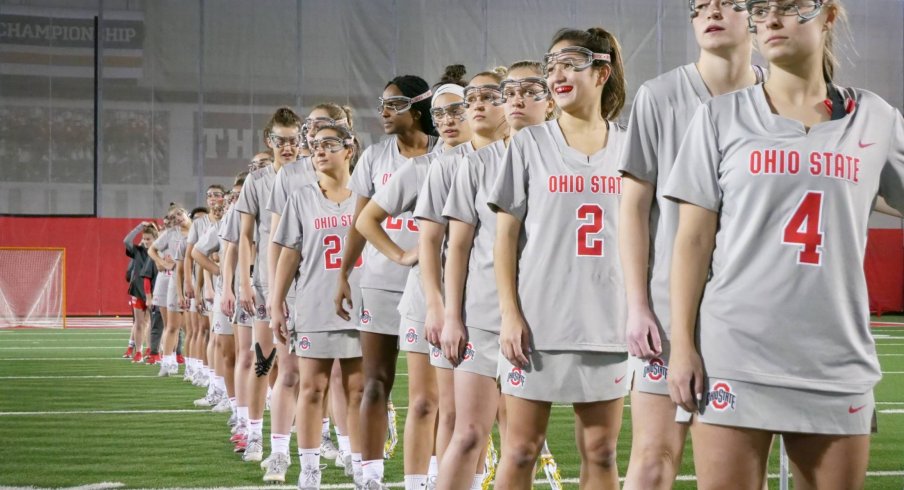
(469, 352)
(720, 397)
(516, 377)
(365, 317)
(411, 336)
(656, 371)
(304, 343)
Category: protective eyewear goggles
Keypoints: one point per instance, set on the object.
(331, 144)
(260, 163)
(455, 110)
(281, 141)
(573, 58)
(482, 94)
(699, 6)
(313, 124)
(804, 10)
(531, 88)
(400, 104)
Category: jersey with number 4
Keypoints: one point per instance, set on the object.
(786, 303)
(569, 277)
(317, 228)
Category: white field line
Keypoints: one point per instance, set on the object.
(93, 486)
(81, 377)
(102, 412)
(538, 483)
(61, 359)
(67, 340)
(892, 411)
(69, 347)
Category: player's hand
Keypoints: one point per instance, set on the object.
(433, 324)
(453, 340)
(408, 258)
(187, 289)
(514, 340)
(686, 378)
(208, 294)
(343, 298)
(643, 334)
(246, 298)
(184, 302)
(227, 302)
(279, 323)
(168, 263)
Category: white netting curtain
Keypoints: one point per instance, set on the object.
(187, 84)
(32, 293)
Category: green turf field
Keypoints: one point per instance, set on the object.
(73, 413)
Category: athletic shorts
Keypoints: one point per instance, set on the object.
(161, 286)
(220, 323)
(567, 376)
(481, 353)
(208, 308)
(172, 302)
(138, 303)
(340, 344)
(779, 409)
(413, 337)
(379, 311)
(438, 359)
(650, 376)
(260, 303)
(241, 317)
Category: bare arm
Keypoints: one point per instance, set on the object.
(430, 239)
(230, 257)
(634, 249)
(354, 245)
(274, 251)
(187, 266)
(246, 252)
(155, 256)
(369, 224)
(514, 338)
(205, 262)
(284, 272)
(883, 207)
(461, 239)
(691, 259)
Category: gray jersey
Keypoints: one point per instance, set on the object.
(198, 228)
(373, 171)
(662, 109)
(467, 202)
(317, 227)
(165, 246)
(569, 276)
(251, 202)
(435, 190)
(290, 178)
(209, 242)
(177, 245)
(786, 302)
(229, 230)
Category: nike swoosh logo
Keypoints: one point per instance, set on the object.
(619, 380)
(853, 410)
(865, 145)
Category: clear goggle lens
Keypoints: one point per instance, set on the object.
(482, 94)
(258, 164)
(455, 110)
(281, 141)
(532, 88)
(804, 10)
(699, 6)
(400, 104)
(328, 143)
(573, 58)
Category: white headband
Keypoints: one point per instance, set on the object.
(449, 88)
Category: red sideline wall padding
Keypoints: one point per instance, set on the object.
(96, 261)
(884, 265)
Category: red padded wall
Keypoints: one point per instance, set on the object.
(96, 261)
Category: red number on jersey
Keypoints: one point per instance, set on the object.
(411, 224)
(332, 256)
(394, 223)
(804, 229)
(592, 215)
